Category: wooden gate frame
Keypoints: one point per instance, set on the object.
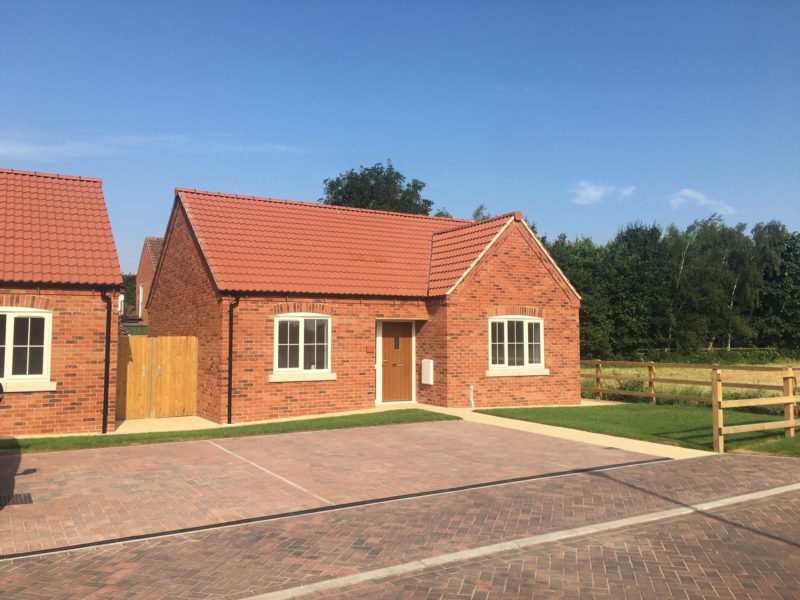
(158, 373)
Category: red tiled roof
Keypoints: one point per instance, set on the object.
(266, 245)
(55, 229)
(154, 245)
(454, 251)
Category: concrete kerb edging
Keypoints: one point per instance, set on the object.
(587, 437)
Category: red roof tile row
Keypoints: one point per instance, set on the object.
(55, 229)
(266, 245)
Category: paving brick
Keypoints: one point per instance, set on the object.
(657, 560)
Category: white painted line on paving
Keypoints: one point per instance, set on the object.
(257, 466)
(526, 542)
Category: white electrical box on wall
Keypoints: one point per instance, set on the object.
(427, 371)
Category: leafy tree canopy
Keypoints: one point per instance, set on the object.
(379, 187)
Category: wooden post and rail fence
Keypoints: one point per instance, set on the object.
(727, 375)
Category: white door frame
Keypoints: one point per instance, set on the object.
(379, 363)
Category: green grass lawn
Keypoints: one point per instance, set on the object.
(389, 417)
(676, 424)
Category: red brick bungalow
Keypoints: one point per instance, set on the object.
(318, 308)
(151, 251)
(59, 283)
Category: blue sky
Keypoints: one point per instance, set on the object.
(584, 115)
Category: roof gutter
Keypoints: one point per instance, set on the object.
(231, 307)
(106, 360)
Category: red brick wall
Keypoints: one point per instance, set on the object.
(432, 343)
(514, 277)
(144, 277)
(185, 302)
(353, 327)
(76, 365)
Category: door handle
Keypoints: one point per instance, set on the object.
(397, 364)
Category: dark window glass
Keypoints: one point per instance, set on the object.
(19, 361)
(2, 361)
(535, 343)
(21, 331)
(322, 331)
(498, 343)
(322, 357)
(397, 341)
(37, 331)
(516, 343)
(283, 356)
(2, 330)
(294, 332)
(309, 331)
(283, 332)
(36, 361)
(294, 356)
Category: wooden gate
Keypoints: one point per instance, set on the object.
(156, 377)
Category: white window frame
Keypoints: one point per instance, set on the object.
(299, 373)
(526, 368)
(27, 383)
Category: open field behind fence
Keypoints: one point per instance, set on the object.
(720, 386)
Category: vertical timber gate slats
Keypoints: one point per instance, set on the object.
(156, 377)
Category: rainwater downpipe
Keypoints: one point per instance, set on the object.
(231, 308)
(107, 359)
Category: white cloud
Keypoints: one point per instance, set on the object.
(690, 196)
(586, 192)
(116, 144)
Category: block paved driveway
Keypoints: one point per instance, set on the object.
(745, 547)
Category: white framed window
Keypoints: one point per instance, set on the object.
(302, 348)
(25, 342)
(516, 346)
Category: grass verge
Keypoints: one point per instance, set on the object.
(676, 424)
(389, 417)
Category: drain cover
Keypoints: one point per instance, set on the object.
(16, 499)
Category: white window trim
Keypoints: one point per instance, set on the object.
(299, 373)
(521, 370)
(27, 383)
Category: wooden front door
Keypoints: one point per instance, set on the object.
(397, 361)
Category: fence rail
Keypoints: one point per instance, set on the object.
(730, 379)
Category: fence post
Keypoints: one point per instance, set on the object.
(716, 410)
(651, 385)
(789, 408)
(598, 379)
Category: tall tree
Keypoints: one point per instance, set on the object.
(379, 187)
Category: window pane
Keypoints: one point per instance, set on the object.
(322, 358)
(516, 343)
(36, 361)
(283, 332)
(37, 331)
(294, 332)
(535, 343)
(2, 361)
(2, 330)
(497, 332)
(322, 331)
(537, 353)
(537, 332)
(309, 356)
(294, 351)
(19, 361)
(309, 331)
(21, 331)
(283, 356)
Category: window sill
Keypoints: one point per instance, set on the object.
(524, 372)
(29, 386)
(308, 376)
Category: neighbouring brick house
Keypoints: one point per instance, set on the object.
(148, 261)
(334, 309)
(59, 283)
